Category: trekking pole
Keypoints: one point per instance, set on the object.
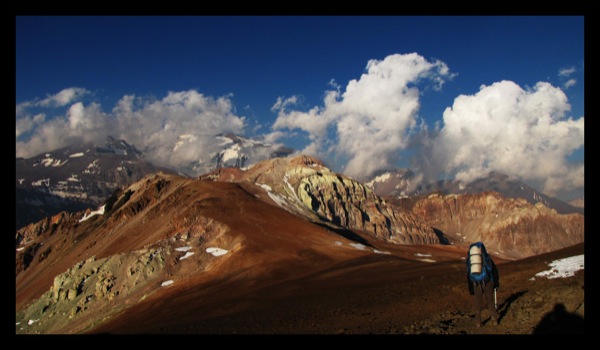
(495, 300)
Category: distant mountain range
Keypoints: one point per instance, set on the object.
(402, 183)
(233, 151)
(75, 177)
(82, 176)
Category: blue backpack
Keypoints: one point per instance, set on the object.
(479, 264)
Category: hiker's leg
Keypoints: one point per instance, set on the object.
(477, 299)
(489, 299)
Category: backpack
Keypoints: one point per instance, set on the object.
(479, 264)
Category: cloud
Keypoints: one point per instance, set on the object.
(566, 72)
(569, 83)
(371, 121)
(524, 133)
(154, 126)
(79, 124)
(27, 123)
(63, 98)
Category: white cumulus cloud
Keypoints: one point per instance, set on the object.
(27, 123)
(79, 124)
(64, 97)
(503, 127)
(371, 121)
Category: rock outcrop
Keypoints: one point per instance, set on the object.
(509, 227)
(305, 186)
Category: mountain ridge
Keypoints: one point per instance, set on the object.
(221, 243)
(403, 183)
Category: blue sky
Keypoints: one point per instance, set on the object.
(240, 67)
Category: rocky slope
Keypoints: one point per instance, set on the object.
(512, 228)
(160, 234)
(305, 186)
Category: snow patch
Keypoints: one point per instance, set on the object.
(76, 155)
(337, 243)
(264, 186)
(383, 177)
(73, 178)
(380, 178)
(187, 255)
(19, 249)
(30, 322)
(93, 164)
(216, 251)
(231, 153)
(358, 246)
(428, 260)
(100, 211)
(289, 185)
(21, 181)
(183, 249)
(53, 162)
(563, 268)
(277, 199)
(166, 283)
(40, 182)
(380, 252)
(424, 255)
(281, 201)
(297, 201)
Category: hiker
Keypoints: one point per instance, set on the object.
(483, 280)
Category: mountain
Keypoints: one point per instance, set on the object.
(167, 230)
(83, 176)
(404, 183)
(75, 177)
(578, 202)
(510, 227)
(232, 151)
(284, 246)
(305, 186)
